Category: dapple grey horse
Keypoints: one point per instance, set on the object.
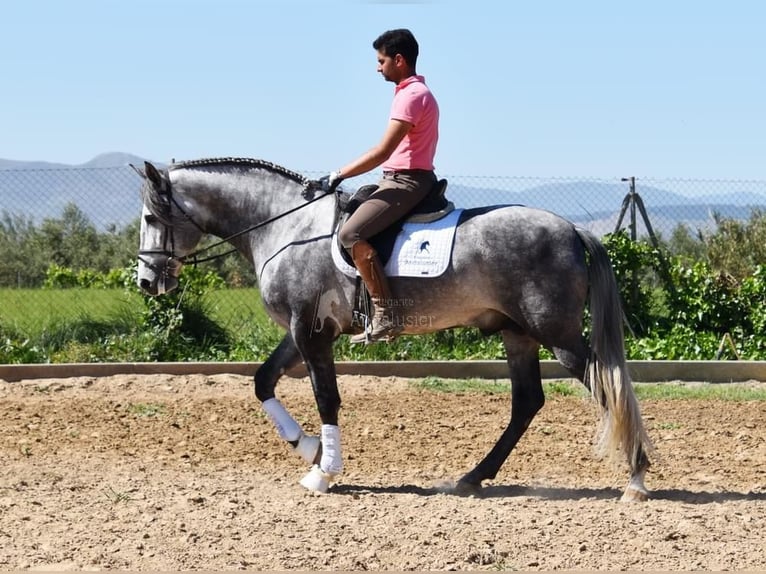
(524, 273)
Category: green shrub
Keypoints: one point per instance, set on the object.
(177, 326)
(16, 349)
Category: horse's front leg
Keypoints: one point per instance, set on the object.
(284, 357)
(316, 349)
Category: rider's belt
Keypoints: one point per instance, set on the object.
(406, 171)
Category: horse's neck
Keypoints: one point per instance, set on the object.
(295, 224)
(226, 203)
(258, 211)
(279, 215)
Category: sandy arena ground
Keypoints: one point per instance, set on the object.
(176, 473)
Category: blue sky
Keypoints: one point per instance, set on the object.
(586, 88)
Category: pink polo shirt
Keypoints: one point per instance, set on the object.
(414, 103)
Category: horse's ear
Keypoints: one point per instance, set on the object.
(140, 173)
(153, 174)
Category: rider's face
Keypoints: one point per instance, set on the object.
(390, 66)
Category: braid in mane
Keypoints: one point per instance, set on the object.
(242, 161)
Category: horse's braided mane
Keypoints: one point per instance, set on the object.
(241, 161)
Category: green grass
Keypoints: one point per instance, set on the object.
(236, 309)
(667, 426)
(703, 391)
(490, 386)
(644, 391)
(97, 325)
(486, 386)
(145, 409)
(34, 311)
(564, 389)
(116, 497)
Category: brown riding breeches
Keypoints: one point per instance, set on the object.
(397, 194)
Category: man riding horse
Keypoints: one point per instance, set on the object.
(406, 153)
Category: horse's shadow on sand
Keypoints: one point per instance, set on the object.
(553, 493)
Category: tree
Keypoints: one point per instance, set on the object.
(72, 240)
(738, 247)
(685, 245)
(22, 264)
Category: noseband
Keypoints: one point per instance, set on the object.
(172, 266)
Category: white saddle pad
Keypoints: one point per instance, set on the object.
(420, 250)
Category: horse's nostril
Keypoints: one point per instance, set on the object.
(144, 284)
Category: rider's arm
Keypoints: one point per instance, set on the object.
(394, 134)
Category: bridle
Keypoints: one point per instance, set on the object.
(173, 263)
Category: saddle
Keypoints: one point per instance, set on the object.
(432, 207)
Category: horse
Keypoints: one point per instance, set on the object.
(525, 273)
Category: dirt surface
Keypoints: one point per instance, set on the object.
(174, 473)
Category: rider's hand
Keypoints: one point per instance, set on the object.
(331, 181)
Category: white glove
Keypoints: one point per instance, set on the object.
(334, 179)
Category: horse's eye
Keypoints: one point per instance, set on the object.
(150, 218)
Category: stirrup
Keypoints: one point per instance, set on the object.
(366, 338)
(361, 339)
(387, 336)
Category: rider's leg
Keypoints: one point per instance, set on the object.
(371, 270)
(396, 196)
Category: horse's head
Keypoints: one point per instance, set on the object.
(168, 233)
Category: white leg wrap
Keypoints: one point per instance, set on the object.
(287, 427)
(332, 458)
(308, 447)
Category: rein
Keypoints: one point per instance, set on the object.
(194, 255)
(193, 258)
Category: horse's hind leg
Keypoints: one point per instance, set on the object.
(527, 399)
(283, 358)
(575, 361)
(636, 491)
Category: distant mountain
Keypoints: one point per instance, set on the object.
(15, 164)
(114, 159)
(104, 188)
(110, 159)
(597, 205)
(573, 197)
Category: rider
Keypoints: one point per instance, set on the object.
(406, 153)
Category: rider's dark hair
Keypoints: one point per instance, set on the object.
(399, 41)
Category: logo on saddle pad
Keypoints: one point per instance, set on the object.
(420, 250)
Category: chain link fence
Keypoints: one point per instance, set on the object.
(109, 196)
(67, 215)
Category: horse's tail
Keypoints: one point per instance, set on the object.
(607, 373)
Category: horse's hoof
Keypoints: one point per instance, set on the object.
(463, 488)
(309, 448)
(632, 494)
(316, 480)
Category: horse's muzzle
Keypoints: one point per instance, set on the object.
(158, 286)
(155, 279)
